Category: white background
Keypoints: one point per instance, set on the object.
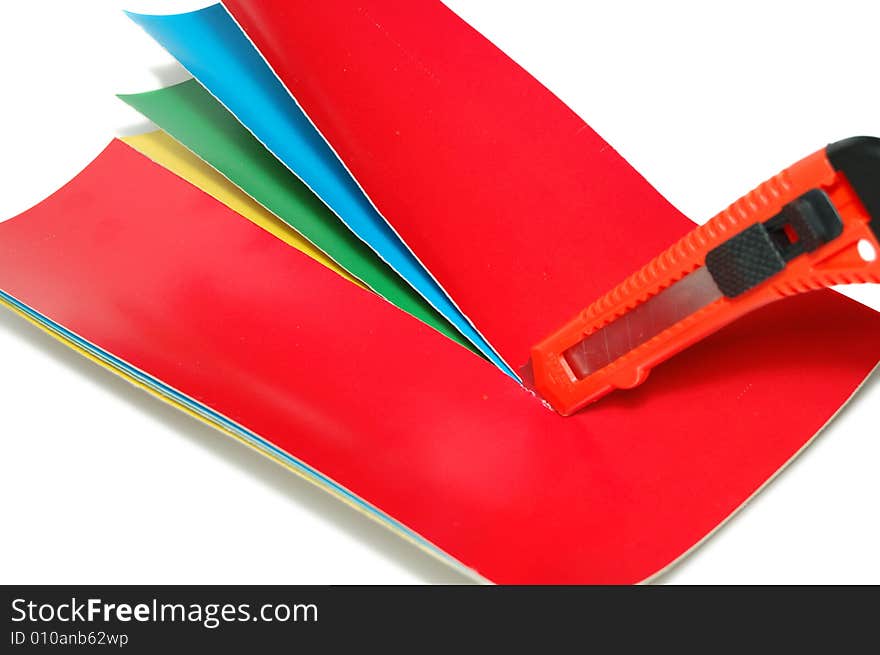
(100, 483)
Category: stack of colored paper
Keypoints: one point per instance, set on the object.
(355, 221)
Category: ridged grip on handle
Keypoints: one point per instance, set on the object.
(689, 252)
(567, 392)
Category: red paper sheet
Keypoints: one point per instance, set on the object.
(145, 266)
(520, 210)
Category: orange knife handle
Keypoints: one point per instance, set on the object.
(855, 192)
(838, 262)
(689, 253)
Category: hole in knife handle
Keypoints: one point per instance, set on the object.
(790, 233)
(867, 251)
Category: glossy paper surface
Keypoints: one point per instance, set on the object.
(204, 126)
(165, 151)
(210, 45)
(239, 327)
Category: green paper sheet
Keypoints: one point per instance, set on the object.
(196, 119)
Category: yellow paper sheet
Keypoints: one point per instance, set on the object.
(168, 153)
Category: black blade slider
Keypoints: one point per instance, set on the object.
(761, 251)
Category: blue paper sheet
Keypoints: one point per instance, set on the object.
(209, 44)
